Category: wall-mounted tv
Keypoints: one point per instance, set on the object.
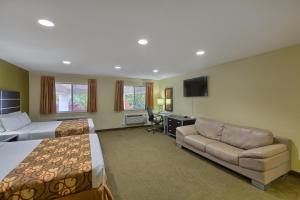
(195, 87)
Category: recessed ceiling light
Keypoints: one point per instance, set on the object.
(45, 22)
(143, 41)
(155, 70)
(66, 62)
(200, 53)
(118, 67)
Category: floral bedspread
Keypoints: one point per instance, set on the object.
(55, 168)
(72, 127)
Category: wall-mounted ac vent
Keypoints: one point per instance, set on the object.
(132, 119)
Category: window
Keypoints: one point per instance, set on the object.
(71, 97)
(134, 97)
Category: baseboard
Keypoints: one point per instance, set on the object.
(294, 173)
(120, 128)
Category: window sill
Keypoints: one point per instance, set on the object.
(71, 112)
(135, 110)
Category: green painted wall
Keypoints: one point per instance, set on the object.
(16, 79)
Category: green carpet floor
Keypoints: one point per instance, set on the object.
(143, 166)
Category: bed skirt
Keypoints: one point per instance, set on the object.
(101, 193)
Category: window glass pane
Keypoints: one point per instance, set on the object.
(128, 97)
(63, 97)
(80, 98)
(140, 97)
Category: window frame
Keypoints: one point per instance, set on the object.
(133, 109)
(70, 83)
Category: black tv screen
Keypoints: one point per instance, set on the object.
(195, 87)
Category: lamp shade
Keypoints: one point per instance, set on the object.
(168, 101)
(160, 101)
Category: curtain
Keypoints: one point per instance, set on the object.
(92, 96)
(119, 96)
(149, 95)
(47, 100)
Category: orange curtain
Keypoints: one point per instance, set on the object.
(47, 100)
(119, 96)
(92, 96)
(149, 95)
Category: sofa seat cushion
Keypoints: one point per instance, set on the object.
(245, 137)
(224, 152)
(197, 141)
(209, 128)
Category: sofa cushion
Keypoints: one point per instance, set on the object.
(198, 141)
(209, 128)
(245, 137)
(224, 152)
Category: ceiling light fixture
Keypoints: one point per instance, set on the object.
(66, 62)
(200, 53)
(118, 67)
(143, 42)
(155, 70)
(45, 22)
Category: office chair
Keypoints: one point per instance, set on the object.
(155, 120)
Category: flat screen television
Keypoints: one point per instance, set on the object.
(195, 87)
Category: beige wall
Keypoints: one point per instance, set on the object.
(105, 118)
(16, 79)
(261, 91)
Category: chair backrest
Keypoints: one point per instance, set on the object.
(150, 114)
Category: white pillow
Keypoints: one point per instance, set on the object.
(13, 113)
(24, 119)
(1, 128)
(12, 123)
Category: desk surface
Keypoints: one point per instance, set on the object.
(180, 117)
(163, 114)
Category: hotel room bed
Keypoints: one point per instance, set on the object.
(69, 168)
(41, 130)
(13, 121)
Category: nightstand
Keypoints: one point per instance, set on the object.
(8, 138)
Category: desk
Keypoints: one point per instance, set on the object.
(164, 116)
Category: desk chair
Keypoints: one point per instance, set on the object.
(155, 120)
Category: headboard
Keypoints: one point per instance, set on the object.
(9, 101)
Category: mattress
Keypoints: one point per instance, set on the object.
(15, 152)
(41, 130)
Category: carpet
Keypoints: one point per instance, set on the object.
(145, 166)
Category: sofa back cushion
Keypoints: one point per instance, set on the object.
(246, 137)
(209, 128)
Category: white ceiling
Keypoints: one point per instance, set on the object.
(96, 35)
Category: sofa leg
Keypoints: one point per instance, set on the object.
(178, 145)
(259, 185)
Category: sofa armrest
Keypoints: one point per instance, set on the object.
(264, 152)
(186, 130)
(183, 131)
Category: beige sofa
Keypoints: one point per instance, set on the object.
(253, 152)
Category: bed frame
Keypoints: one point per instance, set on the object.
(9, 101)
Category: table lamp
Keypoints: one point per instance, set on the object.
(168, 101)
(160, 103)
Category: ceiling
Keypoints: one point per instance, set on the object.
(96, 35)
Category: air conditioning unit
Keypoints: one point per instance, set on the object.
(134, 119)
